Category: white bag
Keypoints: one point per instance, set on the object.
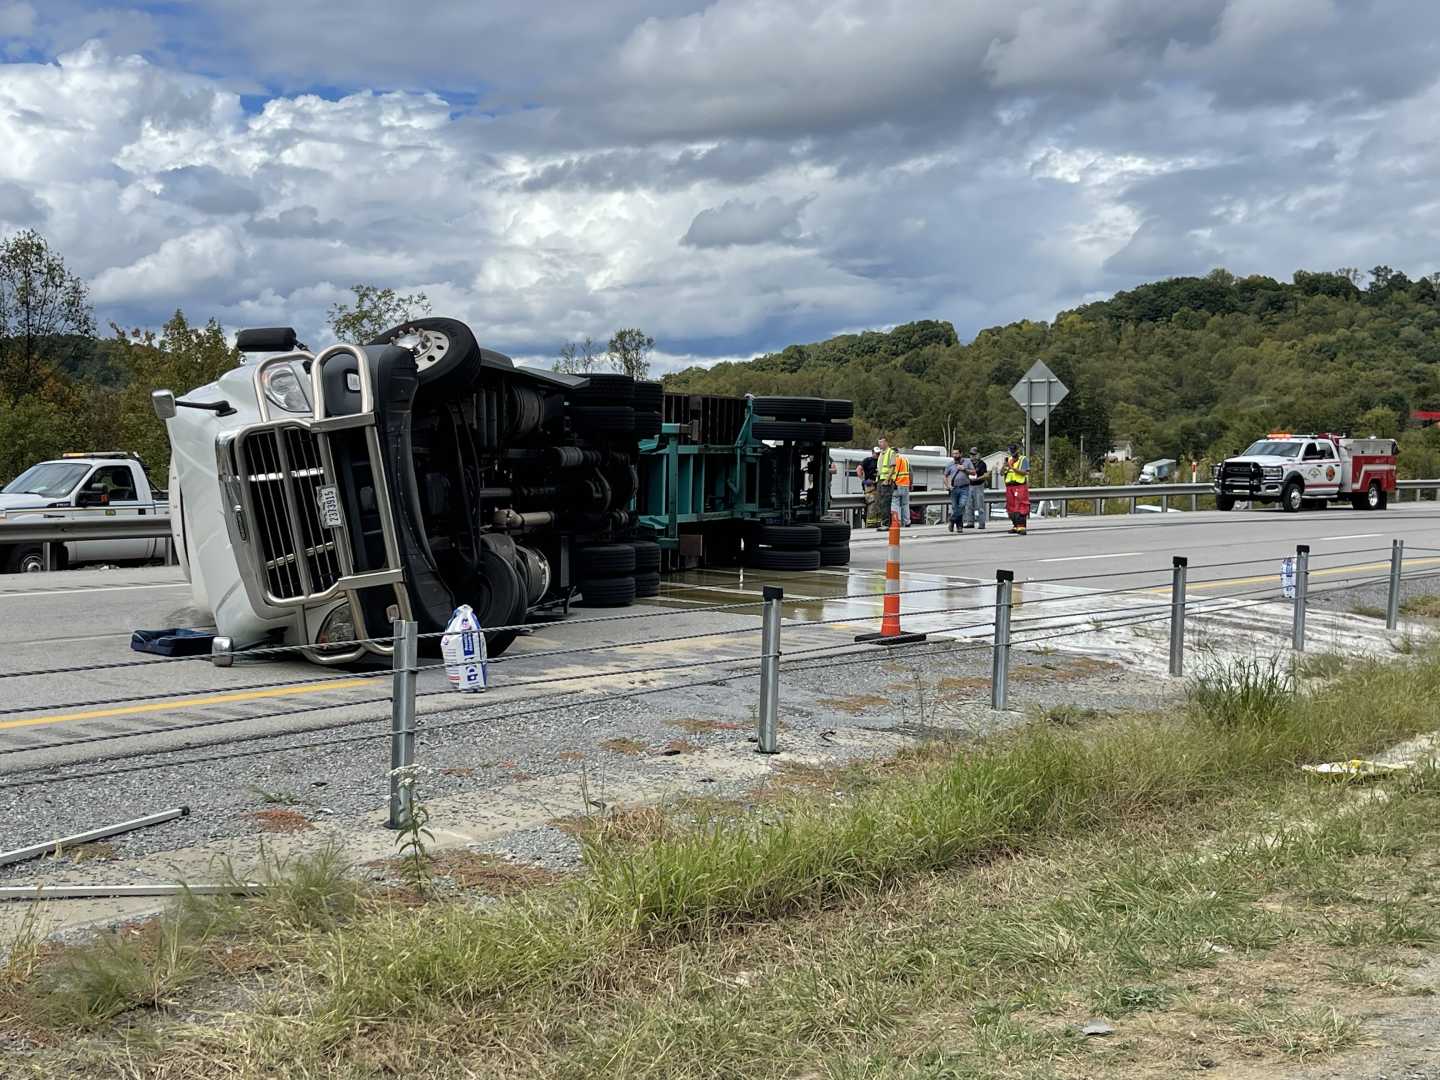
(463, 646)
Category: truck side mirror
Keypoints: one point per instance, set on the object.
(163, 402)
(92, 498)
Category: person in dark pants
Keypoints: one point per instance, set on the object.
(957, 482)
(866, 471)
(979, 481)
(885, 477)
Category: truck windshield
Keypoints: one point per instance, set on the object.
(1268, 448)
(52, 479)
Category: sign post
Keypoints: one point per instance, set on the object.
(1035, 412)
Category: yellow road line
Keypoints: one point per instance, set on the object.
(1273, 579)
(187, 703)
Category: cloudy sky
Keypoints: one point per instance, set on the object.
(731, 176)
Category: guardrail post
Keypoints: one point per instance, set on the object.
(49, 556)
(1177, 615)
(1302, 582)
(1000, 661)
(768, 718)
(1392, 603)
(402, 722)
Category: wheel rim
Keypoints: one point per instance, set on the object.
(32, 564)
(1296, 498)
(1373, 495)
(429, 346)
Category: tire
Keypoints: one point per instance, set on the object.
(603, 418)
(835, 555)
(839, 432)
(606, 560)
(788, 431)
(607, 592)
(26, 559)
(1225, 502)
(449, 350)
(1374, 498)
(839, 410)
(789, 537)
(789, 408)
(605, 388)
(833, 532)
(647, 425)
(647, 585)
(780, 559)
(1292, 496)
(497, 593)
(650, 395)
(647, 556)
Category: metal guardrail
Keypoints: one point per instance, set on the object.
(1099, 495)
(33, 529)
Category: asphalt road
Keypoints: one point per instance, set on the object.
(81, 620)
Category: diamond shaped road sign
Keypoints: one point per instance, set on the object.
(1039, 391)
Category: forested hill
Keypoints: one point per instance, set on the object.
(1187, 366)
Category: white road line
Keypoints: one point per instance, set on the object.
(1352, 536)
(85, 592)
(1087, 558)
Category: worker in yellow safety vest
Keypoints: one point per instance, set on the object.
(1016, 472)
(900, 501)
(885, 481)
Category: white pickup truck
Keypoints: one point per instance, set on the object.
(75, 486)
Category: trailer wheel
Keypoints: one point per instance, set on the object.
(835, 555)
(607, 592)
(647, 584)
(839, 432)
(1292, 496)
(605, 560)
(790, 408)
(836, 409)
(781, 559)
(788, 431)
(647, 556)
(650, 395)
(605, 388)
(647, 425)
(833, 532)
(603, 418)
(445, 349)
(1224, 502)
(790, 537)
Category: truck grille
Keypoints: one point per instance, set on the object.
(282, 471)
(1240, 470)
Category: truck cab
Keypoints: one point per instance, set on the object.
(73, 487)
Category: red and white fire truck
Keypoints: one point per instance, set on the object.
(1297, 469)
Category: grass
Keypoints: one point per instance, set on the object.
(1424, 607)
(958, 913)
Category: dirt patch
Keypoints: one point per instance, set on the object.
(464, 772)
(633, 747)
(968, 682)
(695, 726)
(491, 874)
(281, 821)
(97, 851)
(678, 746)
(855, 704)
(619, 825)
(1069, 669)
(570, 755)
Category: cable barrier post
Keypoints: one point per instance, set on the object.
(1302, 586)
(1392, 602)
(402, 722)
(1177, 616)
(1000, 663)
(768, 718)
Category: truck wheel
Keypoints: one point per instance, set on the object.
(839, 432)
(1292, 496)
(647, 585)
(835, 555)
(790, 408)
(1375, 497)
(790, 537)
(499, 599)
(780, 559)
(607, 592)
(837, 409)
(606, 560)
(647, 556)
(1224, 502)
(788, 431)
(445, 349)
(603, 418)
(605, 388)
(833, 532)
(28, 559)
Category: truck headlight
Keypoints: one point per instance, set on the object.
(1273, 472)
(284, 389)
(338, 626)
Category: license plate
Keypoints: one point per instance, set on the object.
(329, 498)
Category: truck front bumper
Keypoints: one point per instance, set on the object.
(290, 508)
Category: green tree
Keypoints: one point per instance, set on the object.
(44, 315)
(179, 358)
(374, 311)
(629, 352)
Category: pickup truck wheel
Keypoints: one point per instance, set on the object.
(1224, 502)
(1375, 497)
(445, 350)
(1292, 496)
(27, 559)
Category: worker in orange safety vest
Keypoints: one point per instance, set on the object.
(900, 501)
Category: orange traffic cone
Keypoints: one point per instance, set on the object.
(890, 632)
